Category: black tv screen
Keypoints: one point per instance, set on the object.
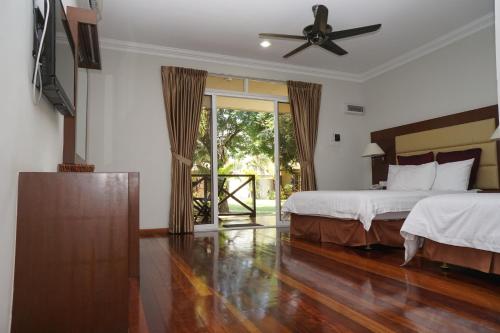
(58, 60)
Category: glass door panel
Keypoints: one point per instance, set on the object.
(288, 157)
(201, 178)
(245, 159)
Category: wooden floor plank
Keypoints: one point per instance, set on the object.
(385, 291)
(263, 281)
(475, 294)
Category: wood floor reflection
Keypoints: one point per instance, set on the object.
(262, 281)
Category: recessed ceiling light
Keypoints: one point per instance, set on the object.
(265, 43)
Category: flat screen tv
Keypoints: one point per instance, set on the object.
(57, 61)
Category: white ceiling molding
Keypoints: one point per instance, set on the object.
(438, 43)
(169, 52)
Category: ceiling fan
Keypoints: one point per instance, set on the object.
(320, 33)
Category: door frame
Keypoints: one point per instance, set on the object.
(213, 93)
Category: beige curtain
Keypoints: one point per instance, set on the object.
(305, 99)
(183, 91)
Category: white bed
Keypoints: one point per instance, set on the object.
(467, 220)
(364, 206)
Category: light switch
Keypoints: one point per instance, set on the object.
(335, 139)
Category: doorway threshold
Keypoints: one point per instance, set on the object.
(253, 227)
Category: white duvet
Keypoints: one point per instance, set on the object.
(467, 220)
(356, 205)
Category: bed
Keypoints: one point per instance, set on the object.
(353, 218)
(362, 226)
(460, 229)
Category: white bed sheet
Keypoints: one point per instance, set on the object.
(468, 220)
(357, 205)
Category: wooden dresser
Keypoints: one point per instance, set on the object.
(77, 248)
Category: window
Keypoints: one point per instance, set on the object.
(267, 88)
(247, 86)
(225, 83)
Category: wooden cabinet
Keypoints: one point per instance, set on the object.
(77, 246)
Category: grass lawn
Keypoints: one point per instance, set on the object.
(263, 206)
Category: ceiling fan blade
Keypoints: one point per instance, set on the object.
(300, 48)
(353, 32)
(332, 47)
(320, 18)
(281, 36)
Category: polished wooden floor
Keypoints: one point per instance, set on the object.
(262, 281)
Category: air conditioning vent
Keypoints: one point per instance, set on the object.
(355, 109)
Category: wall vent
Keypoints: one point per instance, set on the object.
(355, 109)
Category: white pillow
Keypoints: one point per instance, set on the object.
(411, 177)
(453, 176)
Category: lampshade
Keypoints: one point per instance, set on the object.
(496, 134)
(373, 149)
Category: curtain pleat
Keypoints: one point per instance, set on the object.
(183, 90)
(305, 100)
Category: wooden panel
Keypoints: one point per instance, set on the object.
(137, 319)
(158, 232)
(69, 139)
(133, 216)
(71, 272)
(386, 138)
(476, 132)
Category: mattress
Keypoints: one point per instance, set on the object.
(364, 206)
(470, 220)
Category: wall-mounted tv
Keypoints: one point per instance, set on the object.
(57, 61)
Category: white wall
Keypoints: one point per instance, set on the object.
(127, 129)
(456, 78)
(30, 136)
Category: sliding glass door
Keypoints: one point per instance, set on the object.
(245, 164)
(289, 167)
(245, 157)
(202, 171)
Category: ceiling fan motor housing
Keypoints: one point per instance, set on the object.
(316, 37)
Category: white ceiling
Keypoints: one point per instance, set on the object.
(230, 27)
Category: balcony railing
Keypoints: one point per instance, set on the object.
(201, 184)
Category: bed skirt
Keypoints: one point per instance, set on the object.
(484, 261)
(346, 232)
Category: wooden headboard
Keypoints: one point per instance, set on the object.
(459, 131)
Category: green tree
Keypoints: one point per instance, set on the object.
(241, 134)
(287, 143)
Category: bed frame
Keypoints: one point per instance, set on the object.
(346, 232)
(470, 129)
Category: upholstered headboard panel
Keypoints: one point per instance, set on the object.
(458, 131)
(459, 137)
